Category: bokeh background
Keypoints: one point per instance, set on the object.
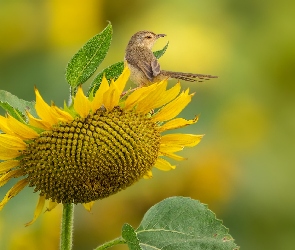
(244, 166)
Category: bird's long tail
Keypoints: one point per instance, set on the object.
(190, 77)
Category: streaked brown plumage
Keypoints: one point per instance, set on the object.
(144, 66)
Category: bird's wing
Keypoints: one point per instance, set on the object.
(146, 68)
(151, 69)
(155, 67)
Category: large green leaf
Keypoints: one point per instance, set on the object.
(180, 223)
(115, 70)
(85, 62)
(16, 107)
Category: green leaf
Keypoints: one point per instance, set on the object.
(16, 107)
(182, 223)
(85, 62)
(115, 70)
(160, 53)
(111, 72)
(129, 235)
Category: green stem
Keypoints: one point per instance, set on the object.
(66, 235)
(111, 243)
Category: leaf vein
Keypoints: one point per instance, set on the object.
(91, 59)
(165, 230)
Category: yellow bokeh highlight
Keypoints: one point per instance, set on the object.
(20, 30)
(32, 239)
(212, 179)
(57, 24)
(70, 22)
(245, 123)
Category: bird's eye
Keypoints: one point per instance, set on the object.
(148, 37)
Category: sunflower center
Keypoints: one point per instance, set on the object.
(93, 157)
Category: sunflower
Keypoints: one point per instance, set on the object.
(95, 147)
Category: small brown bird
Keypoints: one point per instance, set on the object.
(144, 66)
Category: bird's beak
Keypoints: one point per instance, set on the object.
(160, 35)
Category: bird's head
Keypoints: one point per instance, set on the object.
(145, 38)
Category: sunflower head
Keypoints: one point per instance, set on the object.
(93, 157)
(96, 147)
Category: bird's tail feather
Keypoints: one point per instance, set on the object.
(190, 77)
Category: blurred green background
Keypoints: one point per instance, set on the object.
(244, 166)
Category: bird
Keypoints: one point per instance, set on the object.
(144, 66)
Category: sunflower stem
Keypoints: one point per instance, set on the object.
(72, 93)
(111, 243)
(67, 221)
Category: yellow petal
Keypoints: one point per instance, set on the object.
(12, 142)
(43, 110)
(111, 97)
(177, 123)
(81, 103)
(7, 165)
(188, 140)
(62, 115)
(151, 100)
(169, 95)
(11, 174)
(137, 95)
(7, 154)
(38, 123)
(4, 127)
(20, 129)
(38, 210)
(88, 206)
(13, 192)
(148, 175)
(173, 108)
(98, 98)
(122, 80)
(172, 156)
(170, 148)
(51, 205)
(163, 165)
(151, 97)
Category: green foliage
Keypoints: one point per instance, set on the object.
(85, 62)
(160, 53)
(115, 70)
(16, 107)
(129, 235)
(179, 223)
(111, 72)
